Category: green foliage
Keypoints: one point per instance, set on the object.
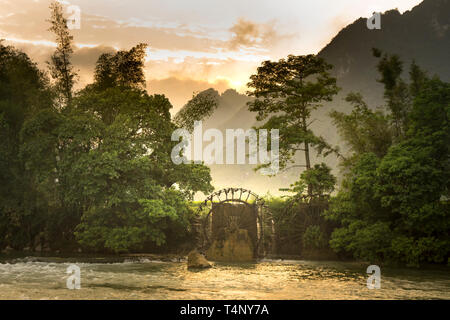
(61, 68)
(119, 168)
(363, 130)
(320, 178)
(299, 227)
(390, 205)
(124, 68)
(414, 251)
(200, 107)
(313, 238)
(365, 241)
(24, 91)
(95, 171)
(286, 92)
(396, 92)
(94, 168)
(131, 225)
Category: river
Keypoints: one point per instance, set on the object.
(37, 278)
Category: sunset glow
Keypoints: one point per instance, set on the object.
(211, 46)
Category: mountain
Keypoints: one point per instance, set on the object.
(232, 111)
(421, 34)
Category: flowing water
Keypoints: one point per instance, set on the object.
(37, 278)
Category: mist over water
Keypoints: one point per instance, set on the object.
(31, 278)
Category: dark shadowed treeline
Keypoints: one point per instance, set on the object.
(88, 169)
(92, 169)
(393, 202)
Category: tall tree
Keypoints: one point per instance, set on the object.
(61, 68)
(24, 91)
(363, 130)
(124, 68)
(396, 91)
(286, 92)
(112, 178)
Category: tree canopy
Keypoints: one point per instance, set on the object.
(92, 168)
(286, 92)
(393, 204)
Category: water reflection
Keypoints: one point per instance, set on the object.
(37, 279)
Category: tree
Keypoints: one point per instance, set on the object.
(127, 174)
(320, 179)
(124, 68)
(201, 106)
(95, 166)
(103, 166)
(314, 238)
(396, 92)
(61, 68)
(286, 92)
(24, 91)
(363, 130)
(390, 207)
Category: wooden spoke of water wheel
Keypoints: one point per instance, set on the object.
(233, 196)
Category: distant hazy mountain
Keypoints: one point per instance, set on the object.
(232, 111)
(422, 34)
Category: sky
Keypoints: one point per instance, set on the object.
(193, 44)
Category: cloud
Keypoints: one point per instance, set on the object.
(83, 59)
(182, 57)
(24, 19)
(245, 33)
(250, 34)
(87, 57)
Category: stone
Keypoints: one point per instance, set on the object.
(197, 260)
(237, 247)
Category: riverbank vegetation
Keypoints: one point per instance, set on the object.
(393, 203)
(91, 169)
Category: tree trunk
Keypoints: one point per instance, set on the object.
(307, 159)
(308, 166)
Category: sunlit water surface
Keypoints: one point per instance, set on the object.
(30, 278)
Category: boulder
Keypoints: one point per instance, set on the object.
(197, 260)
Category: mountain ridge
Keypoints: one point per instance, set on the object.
(421, 34)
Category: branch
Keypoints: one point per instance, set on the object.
(311, 123)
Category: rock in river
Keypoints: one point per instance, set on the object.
(197, 260)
